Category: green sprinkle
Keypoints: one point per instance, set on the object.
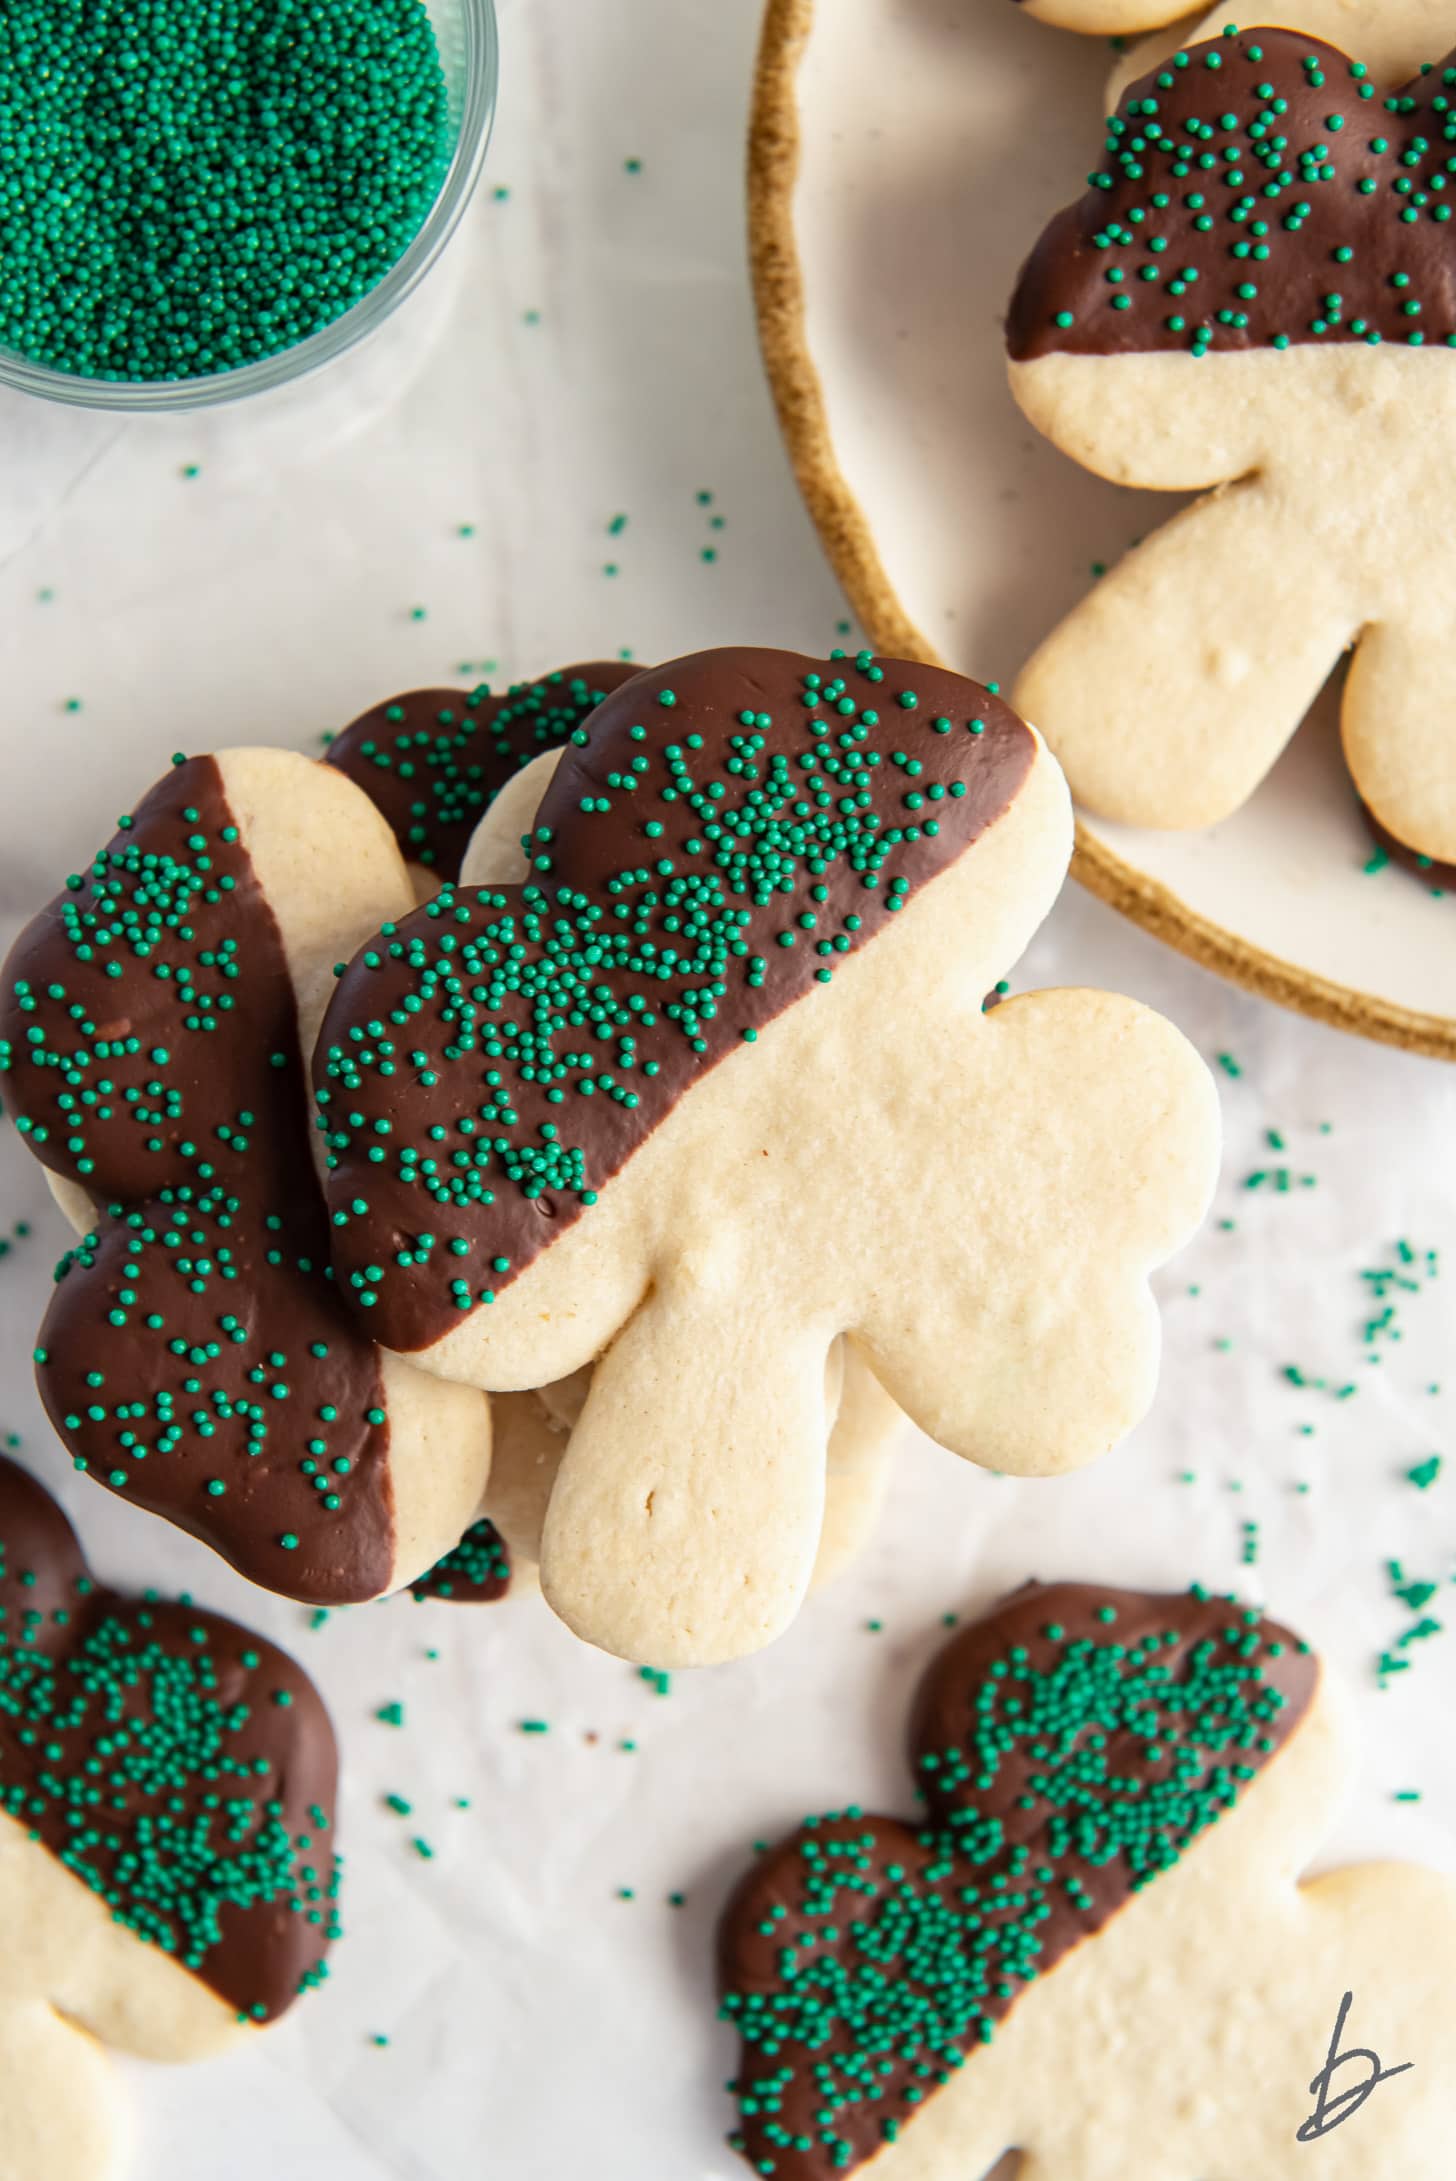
(275, 159)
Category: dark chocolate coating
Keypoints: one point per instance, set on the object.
(434, 760)
(477, 1571)
(661, 793)
(210, 1261)
(941, 1853)
(1243, 204)
(271, 1717)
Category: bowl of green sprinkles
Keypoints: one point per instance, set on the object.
(206, 199)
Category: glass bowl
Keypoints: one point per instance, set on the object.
(465, 31)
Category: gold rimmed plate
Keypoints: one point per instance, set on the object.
(904, 155)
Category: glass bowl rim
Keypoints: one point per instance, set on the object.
(21, 374)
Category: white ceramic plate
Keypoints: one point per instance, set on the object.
(905, 155)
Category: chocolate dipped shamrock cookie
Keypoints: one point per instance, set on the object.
(167, 1873)
(1394, 38)
(434, 760)
(1257, 294)
(1091, 1945)
(714, 1088)
(435, 763)
(196, 1356)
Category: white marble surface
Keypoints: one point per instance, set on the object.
(540, 2027)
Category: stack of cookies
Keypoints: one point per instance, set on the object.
(563, 1134)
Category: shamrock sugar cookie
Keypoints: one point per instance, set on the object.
(433, 760)
(715, 1087)
(1394, 38)
(195, 1355)
(529, 1433)
(1092, 1945)
(1258, 293)
(167, 1879)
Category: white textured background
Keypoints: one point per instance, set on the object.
(539, 2026)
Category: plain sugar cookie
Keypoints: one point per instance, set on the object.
(715, 1088)
(195, 1355)
(1258, 294)
(167, 1874)
(1105, 18)
(1092, 1945)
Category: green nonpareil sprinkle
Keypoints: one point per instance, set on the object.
(19, 1233)
(391, 1715)
(193, 188)
(1307, 1382)
(1415, 1593)
(1280, 1179)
